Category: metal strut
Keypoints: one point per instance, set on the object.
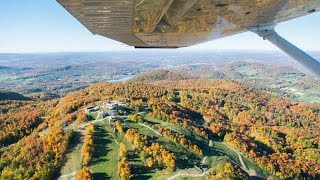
(268, 33)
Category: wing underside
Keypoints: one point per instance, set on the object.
(180, 23)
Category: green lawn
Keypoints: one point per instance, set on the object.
(105, 157)
(92, 115)
(225, 151)
(142, 129)
(255, 167)
(73, 163)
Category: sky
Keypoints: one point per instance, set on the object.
(44, 26)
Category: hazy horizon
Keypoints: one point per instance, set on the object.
(45, 26)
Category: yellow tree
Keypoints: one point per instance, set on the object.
(84, 174)
(119, 127)
(149, 162)
(124, 169)
(123, 150)
(212, 171)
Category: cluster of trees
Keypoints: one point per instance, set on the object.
(136, 117)
(160, 75)
(173, 113)
(241, 142)
(123, 165)
(82, 117)
(15, 126)
(133, 91)
(138, 140)
(35, 157)
(136, 104)
(124, 169)
(217, 130)
(122, 150)
(88, 146)
(201, 131)
(264, 127)
(19, 119)
(156, 156)
(169, 111)
(181, 139)
(227, 171)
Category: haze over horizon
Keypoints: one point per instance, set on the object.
(44, 26)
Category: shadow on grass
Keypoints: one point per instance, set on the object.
(127, 110)
(204, 145)
(133, 157)
(74, 141)
(101, 139)
(150, 122)
(184, 158)
(101, 176)
(140, 172)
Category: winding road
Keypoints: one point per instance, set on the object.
(251, 172)
(151, 129)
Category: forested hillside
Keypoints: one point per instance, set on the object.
(160, 75)
(211, 129)
(12, 96)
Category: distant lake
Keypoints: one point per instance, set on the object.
(121, 79)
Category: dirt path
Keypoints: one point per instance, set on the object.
(251, 172)
(239, 156)
(151, 129)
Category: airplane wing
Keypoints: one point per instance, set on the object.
(182, 23)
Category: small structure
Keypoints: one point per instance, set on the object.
(112, 119)
(91, 109)
(111, 106)
(104, 114)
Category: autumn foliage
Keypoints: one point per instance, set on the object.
(88, 146)
(35, 157)
(156, 155)
(281, 136)
(84, 174)
(124, 169)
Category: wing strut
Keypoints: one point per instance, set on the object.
(268, 33)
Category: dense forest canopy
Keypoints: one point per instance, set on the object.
(280, 135)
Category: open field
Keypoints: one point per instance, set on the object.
(105, 156)
(73, 162)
